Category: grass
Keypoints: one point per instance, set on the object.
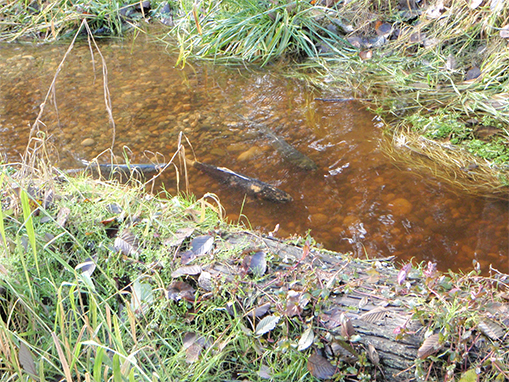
(106, 303)
(255, 32)
(60, 317)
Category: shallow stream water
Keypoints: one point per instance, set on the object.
(358, 200)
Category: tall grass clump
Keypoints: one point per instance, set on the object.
(255, 31)
(50, 20)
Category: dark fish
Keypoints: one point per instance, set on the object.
(253, 187)
(121, 169)
(287, 151)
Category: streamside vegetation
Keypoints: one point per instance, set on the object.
(101, 281)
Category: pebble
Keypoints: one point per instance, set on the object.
(319, 219)
(400, 207)
(87, 142)
(249, 154)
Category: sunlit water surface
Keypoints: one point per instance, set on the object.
(358, 200)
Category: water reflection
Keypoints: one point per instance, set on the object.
(357, 200)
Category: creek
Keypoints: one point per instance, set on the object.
(358, 200)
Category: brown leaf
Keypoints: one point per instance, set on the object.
(373, 355)
(429, 346)
(63, 215)
(187, 257)
(186, 271)
(180, 290)
(347, 329)
(491, 329)
(126, 243)
(331, 319)
(320, 368)
(193, 352)
(375, 315)
(178, 237)
(261, 310)
(295, 303)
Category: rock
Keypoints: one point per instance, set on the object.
(319, 219)
(400, 207)
(87, 142)
(249, 154)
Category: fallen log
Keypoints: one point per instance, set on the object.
(391, 311)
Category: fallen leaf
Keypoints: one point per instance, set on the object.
(429, 346)
(193, 352)
(88, 266)
(366, 55)
(504, 32)
(258, 264)
(188, 340)
(491, 329)
(469, 376)
(27, 360)
(62, 216)
(181, 290)
(201, 245)
(179, 236)
(320, 368)
(375, 315)
(331, 319)
(472, 73)
(126, 243)
(403, 273)
(261, 310)
(347, 329)
(306, 340)
(383, 29)
(295, 303)
(265, 372)
(205, 281)
(373, 355)
(186, 271)
(266, 324)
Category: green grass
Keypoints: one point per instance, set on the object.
(255, 31)
(89, 326)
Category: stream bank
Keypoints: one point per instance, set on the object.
(171, 291)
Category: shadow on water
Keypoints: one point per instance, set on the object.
(357, 200)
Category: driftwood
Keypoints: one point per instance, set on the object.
(367, 292)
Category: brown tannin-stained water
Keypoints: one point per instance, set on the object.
(357, 200)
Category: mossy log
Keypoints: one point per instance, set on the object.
(368, 293)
